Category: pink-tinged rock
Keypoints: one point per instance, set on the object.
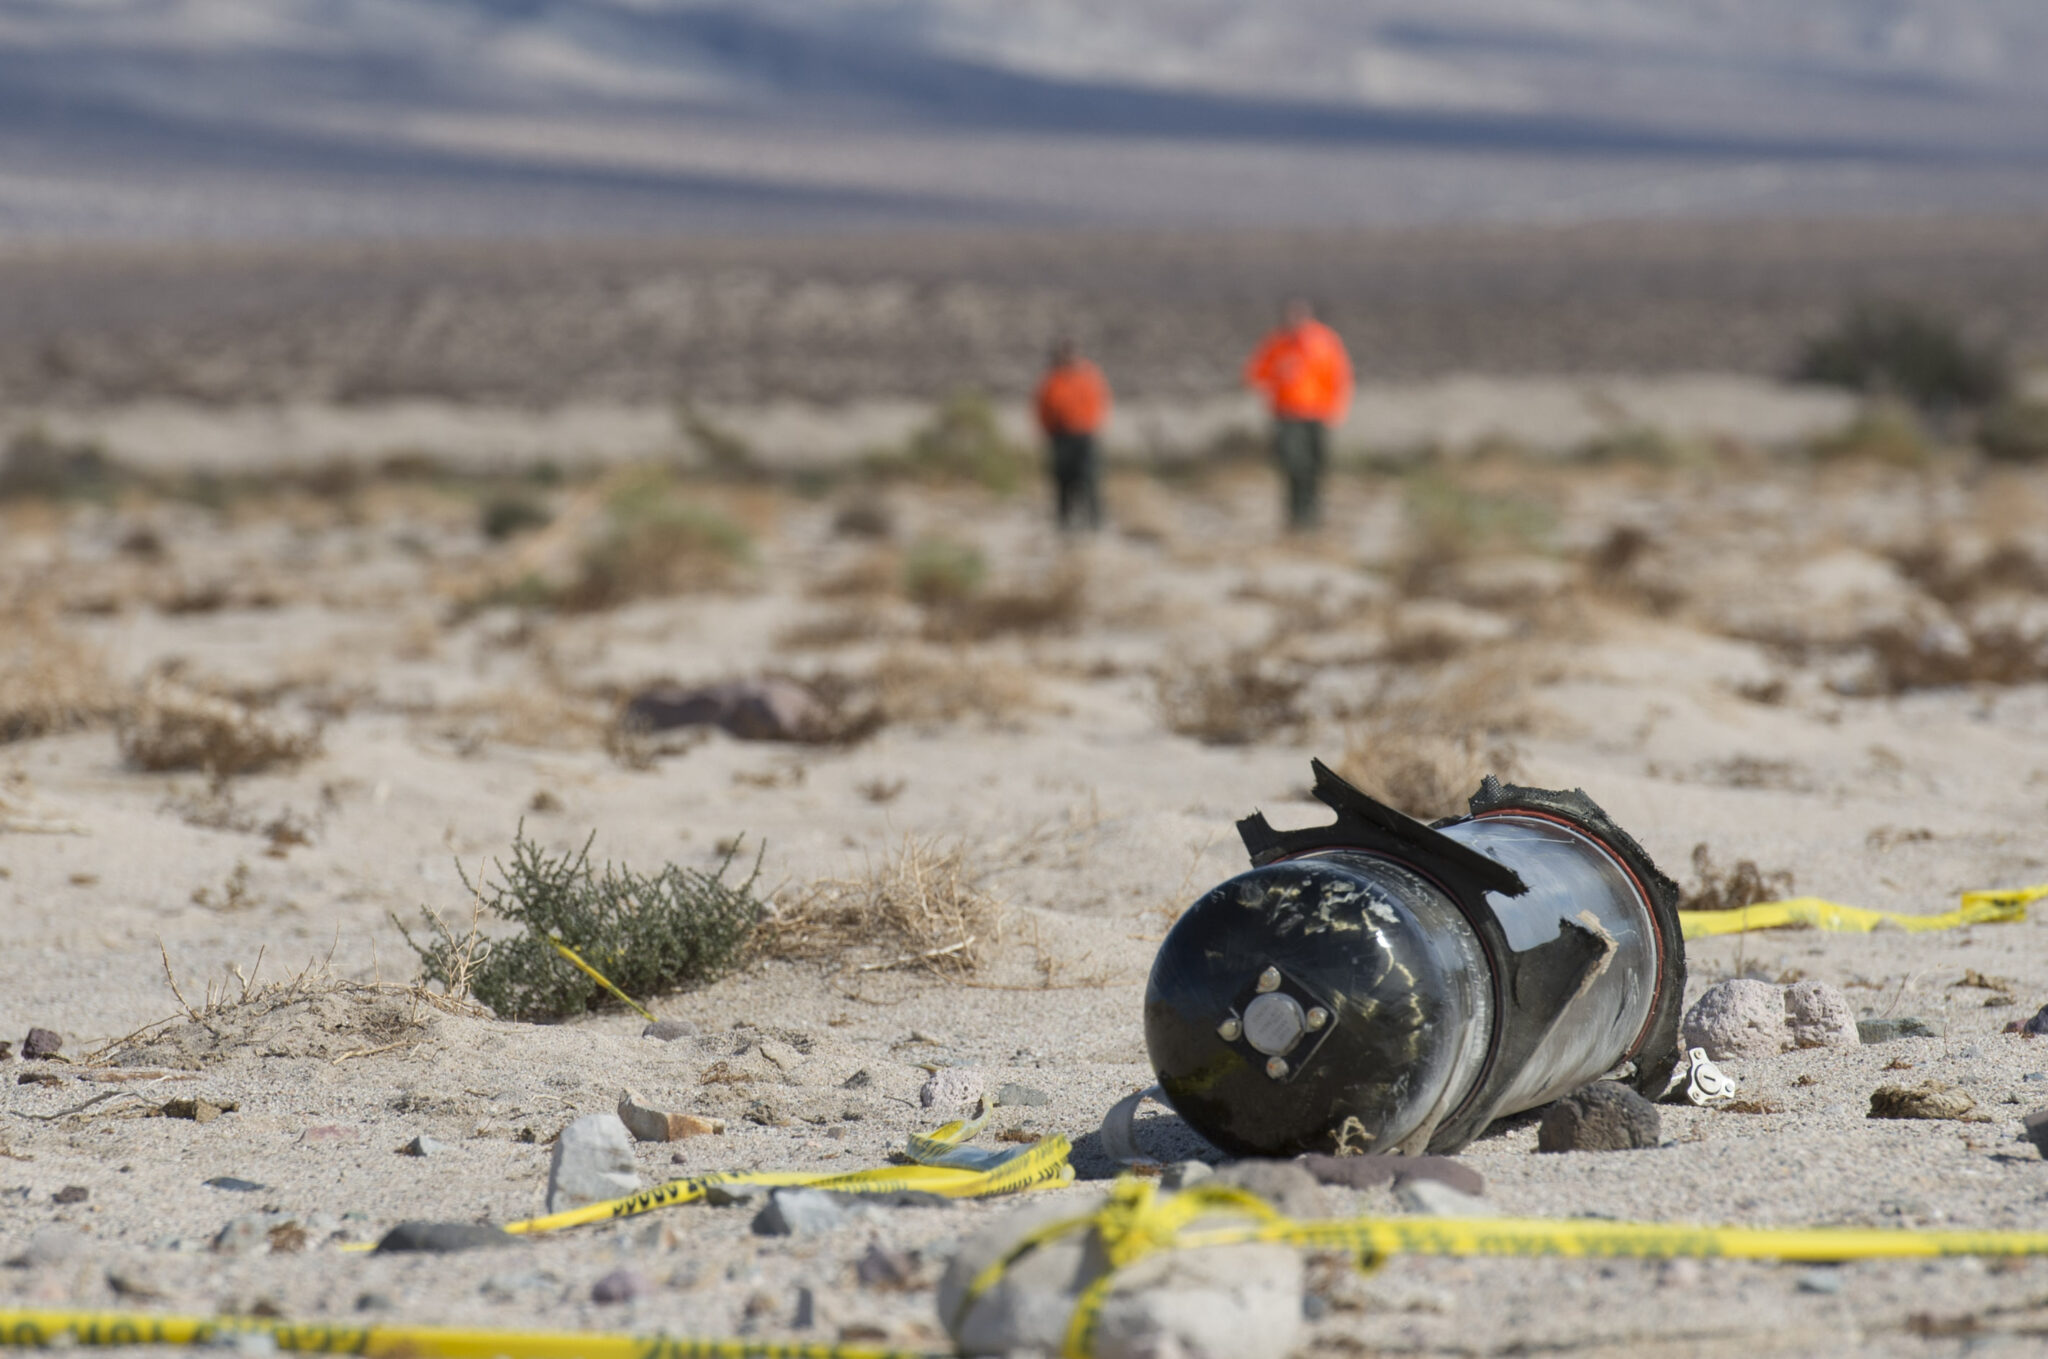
(328, 1132)
(1818, 1016)
(1739, 1018)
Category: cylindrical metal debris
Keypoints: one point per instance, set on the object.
(1379, 985)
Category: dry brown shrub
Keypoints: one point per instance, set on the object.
(1428, 736)
(866, 576)
(1730, 889)
(914, 686)
(1905, 658)
(537, 716)
(1427, 773)
(1244, 697)
(173, 726)
(840, 627)
(2007, 568)
(50, 681)
(1055, 605)
(922, 906)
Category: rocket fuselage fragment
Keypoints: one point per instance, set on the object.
(1379, 985)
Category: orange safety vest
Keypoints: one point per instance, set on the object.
(1073, 399)
(1303, 372)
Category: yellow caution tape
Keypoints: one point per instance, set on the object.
(602, 980)
(1137, 1221)
(54, 1329)
(1978, 908)
(941, 1163)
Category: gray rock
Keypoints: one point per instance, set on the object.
(892, 1270)
(950, 1087)
(1222, 1302)
(621, 1285)
(1022, 1097)
(2034, 1129)
(1370, 1172)
(234, 1184)
(374, 1302)
(1287, 1185)
(735, 1195)
(805, 1314)
(800, 1212)
(1821, 1279)
(668, 1030)
(1181, 1174)
(1740, 1017)
(442, 1238)
(41, 1043)
(592, 1162)
(424, 1145)
(753, 710)
(1819, 1016)
(1434, 1198)
(254, 1233)
(1969, 1052)
(1887, 1030)
(1604, 1116)
(781, 1054)
(51, 1245)
(859, 1080)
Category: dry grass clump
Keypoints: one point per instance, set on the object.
(1885, 432)
(654, 541)
(1244, 697)
(1907, 658)
(1731, 889)
(50, 681)
(173, 726)
(536, 716)
(2009, 568)
(1426, 772)
(1053, 605)
(916, 686)
(921, 906)
(873, 573)
(838, 627)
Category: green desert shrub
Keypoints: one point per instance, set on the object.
(679, 927)
(1885, 432)
(2015, 431)
(938, 571)
(1902, 351)
(657, 541)
(962, 442)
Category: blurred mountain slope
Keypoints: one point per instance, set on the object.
(352, 115)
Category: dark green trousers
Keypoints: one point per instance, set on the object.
(1300, 447)
(1077, 481)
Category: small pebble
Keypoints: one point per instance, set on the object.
(805, 1314)
(1889, 1030)
(71, 1193)
(799, 1212)
(668, 1030)
(1820, 1280)
(894, 1270)
(1604, 1116)
(233, 1184)
(1022, 1096)
(41, 1043)
(859, 1080)
(374, 1302)
(424, 1145)
(441, 1238)
(621, 1285)
(1969, 1052)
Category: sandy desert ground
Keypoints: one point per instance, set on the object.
(1829, 666)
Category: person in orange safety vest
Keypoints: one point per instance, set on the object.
(1072, 403)
(1305, 375)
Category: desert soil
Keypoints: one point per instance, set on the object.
(1834, 671)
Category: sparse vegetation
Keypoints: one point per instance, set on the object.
(962, 442)
(36, 463)
(173, 726)
(50, 681)
(1885, 431)
(510, 513)
(657, 540)
(1894, 349)
(649, 934)
(1429, 774)
(921, 906)
(914, 685)
(1051, 605)
(1731, 888)
(1244, 697)
(943, 571)
(2015, 431)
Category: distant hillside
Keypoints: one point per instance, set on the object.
(371, 117)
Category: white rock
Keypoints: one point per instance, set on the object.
(1222, 1302)
(593, 1161)
(1819, 1016)
(950, 1087)
(1739, 1017)
(1437, 1199)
